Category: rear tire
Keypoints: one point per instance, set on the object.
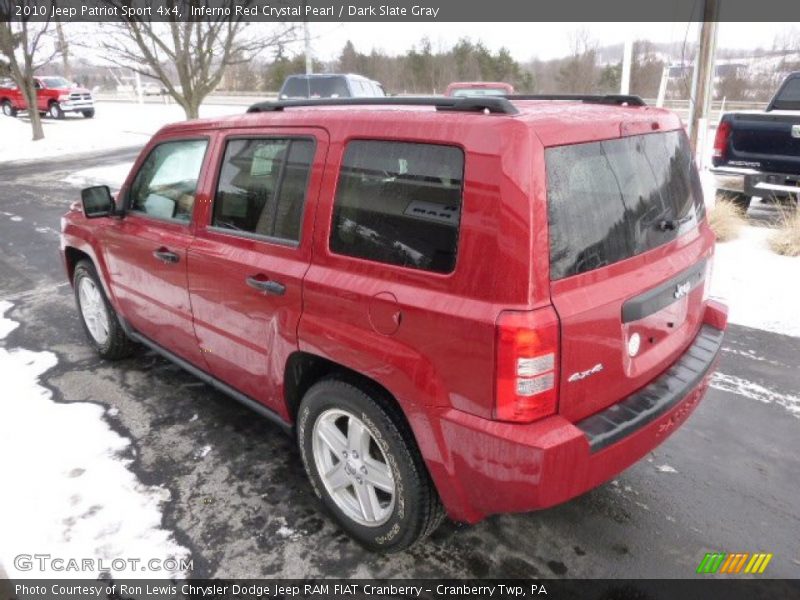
(98, 317)
(55, 111)
(381, 496)
(8, 109)
(88, 113)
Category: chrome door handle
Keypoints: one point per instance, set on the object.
(266, 285)
(166, 256)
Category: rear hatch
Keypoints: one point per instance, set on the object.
(628, 262)
(766, 140)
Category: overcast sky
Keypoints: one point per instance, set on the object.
(527, 40)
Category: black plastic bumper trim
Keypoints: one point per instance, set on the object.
(637, 410)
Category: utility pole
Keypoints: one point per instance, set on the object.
(627, 58)
(309, 58)
(703, 77)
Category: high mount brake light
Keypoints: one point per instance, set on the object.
(526, 365)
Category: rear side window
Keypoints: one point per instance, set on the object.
(610, 200)
(262, 187)
(166, 183)
(399, 203)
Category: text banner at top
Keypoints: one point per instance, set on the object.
(398, 10)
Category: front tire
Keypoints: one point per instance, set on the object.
(8, 109)
(88, 113)
(99, 319)
(363, 464)
(55, 111)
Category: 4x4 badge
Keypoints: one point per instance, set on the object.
(796, 131)
(682, 289)
(584, 374)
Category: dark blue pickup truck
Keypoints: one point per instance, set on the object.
(758, 153)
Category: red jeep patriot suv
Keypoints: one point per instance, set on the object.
(458, 305)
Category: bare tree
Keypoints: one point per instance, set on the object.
(24, 46)
(190, 58)
(579, 72)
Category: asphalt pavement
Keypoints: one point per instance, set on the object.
(728, 480)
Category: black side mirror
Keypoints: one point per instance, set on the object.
(97, 202)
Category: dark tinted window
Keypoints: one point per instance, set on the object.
(262, 187)
(165, 185)
(399, 203)
(611, 200)
(789, 96)
(334, 86)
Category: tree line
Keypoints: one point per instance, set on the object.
(191, 59)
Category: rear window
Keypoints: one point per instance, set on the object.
(315, 87)
(399, 203)
(480, 92)
(789, 96)
(610, 200)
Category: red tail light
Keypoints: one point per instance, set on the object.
(721, 141)
(527, 365)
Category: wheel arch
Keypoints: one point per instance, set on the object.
(72, 256)
(304, 369)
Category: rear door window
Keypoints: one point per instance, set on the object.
(262, 187)
(614, 199)
(399, 203)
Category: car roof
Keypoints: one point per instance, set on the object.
(555, 122)
(457, 84)
(324, 75)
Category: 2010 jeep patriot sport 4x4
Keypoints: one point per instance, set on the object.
(460, 305)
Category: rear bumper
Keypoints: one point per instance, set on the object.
(755, 183)
(502, 467)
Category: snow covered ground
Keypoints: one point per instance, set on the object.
(760, 287)
(115, 125)
(67, 492)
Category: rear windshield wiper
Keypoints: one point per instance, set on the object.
(672, 224)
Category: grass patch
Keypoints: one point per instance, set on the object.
(726, 220)
(786, 239)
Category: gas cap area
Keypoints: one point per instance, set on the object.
(385, 315)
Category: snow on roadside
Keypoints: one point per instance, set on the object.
(754, 391)
(760, 287)
(67, 491)
(113, 176)
(115, 125)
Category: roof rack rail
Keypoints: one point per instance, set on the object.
(495, 104)
(618, 99)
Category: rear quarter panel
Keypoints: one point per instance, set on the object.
(442, 352)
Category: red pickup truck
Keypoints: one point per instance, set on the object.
(55, 96)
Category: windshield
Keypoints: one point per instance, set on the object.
(55, 82)
(315, 87)
(480, 92)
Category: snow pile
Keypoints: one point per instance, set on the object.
(761, 288)
(66, 491)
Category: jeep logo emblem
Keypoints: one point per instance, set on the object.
(682, 289)
(796, 131)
